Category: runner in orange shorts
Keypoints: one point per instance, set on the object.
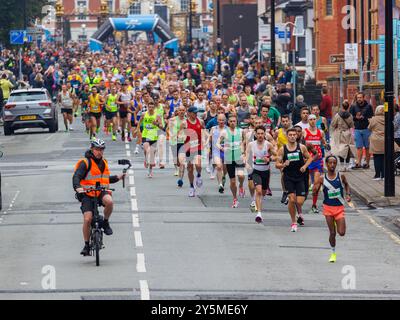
(334, 185)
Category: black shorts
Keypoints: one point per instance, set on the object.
(123, 114)
(150, 142)
(110, 115)
(87, 202)
(96, 115)
(261, 178)
(65, 110)
(231, 168)
(295, 186)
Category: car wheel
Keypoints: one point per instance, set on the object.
(8, 131)
(53, 126)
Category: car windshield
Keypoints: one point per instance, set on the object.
(27, 96)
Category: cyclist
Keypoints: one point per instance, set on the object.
(89, 170)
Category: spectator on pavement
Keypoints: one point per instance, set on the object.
(296, 111)
(396, 123)
(361, 111)
(326, 105)
(377, 141)
(342, 142)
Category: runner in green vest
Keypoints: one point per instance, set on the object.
(111, 113)
(231, 142)
(151, 124)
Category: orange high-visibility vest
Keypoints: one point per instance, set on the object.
(93, 176)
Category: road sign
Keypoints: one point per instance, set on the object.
(17, 36)
(368, 42)
(336, 58)
(351, 56)
(265, 46)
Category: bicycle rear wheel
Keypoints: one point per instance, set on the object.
(97, 244)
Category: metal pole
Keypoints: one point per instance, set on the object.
(341, 83)
(286, 46)
(219, 38)
(240, 47)
(273, 55)
(190, 24)
(396, 72)
(369, 38)
(362, 23)
(294, 77)
(389, 103)
(361, 75)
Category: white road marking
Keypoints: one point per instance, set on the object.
(131, 180)
(130, 171)
(140, 265)
(133, 192)
(371, 220)
(138, 239)
(128, 153)
(144, 290)
(127, 146)
(49, 137)
(135, 220)
(134, 205)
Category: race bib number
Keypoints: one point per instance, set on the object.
(149, 126)
(295, 156)
(96, 109)
(334, 194)
(194, 143)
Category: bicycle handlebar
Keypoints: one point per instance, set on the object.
(98, 189)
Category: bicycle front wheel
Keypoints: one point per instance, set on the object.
(97, 245)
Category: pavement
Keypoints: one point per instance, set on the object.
(169, 246)
(372, 192)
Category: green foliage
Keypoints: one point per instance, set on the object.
(12, 15)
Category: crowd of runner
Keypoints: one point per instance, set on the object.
(235, 124)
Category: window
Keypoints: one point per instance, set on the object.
(81, 7)
(185, 5)
(329, 8)
(110, 4)
(82, 37)
(135, 8)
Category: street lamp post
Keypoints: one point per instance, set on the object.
(389, 101)
(219, 40)
(273, 57)
(294, 59)
(83, 31)
(190, 36)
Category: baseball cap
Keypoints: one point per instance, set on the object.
(193, 109)
(312, 116)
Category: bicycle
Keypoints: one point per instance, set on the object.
(96, 232)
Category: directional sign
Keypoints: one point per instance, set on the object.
(336, 58)
(17, 36)
(374, 42)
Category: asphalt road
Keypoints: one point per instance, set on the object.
(168, 246)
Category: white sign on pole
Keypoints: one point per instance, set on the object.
(351, 56)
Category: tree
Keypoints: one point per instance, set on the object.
(12, 14)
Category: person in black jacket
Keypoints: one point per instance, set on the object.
(296, 111)
(361, 111)
(282, 100)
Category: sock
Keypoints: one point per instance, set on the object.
(198, 175)
(129, 134)
(87, 243)
(105, 220)
(333, 249)
(314, 200)
(254, 197)
(192, 185)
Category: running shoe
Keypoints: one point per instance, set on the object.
(259, 218)
(114, 137)
(199, 182)
(176, 173)
(253, 206)
(162, 166)
(71, 129)
(137, 150)
(150, 174)
(235, 203)
(180, 183)
(284, 197)
(300, 220)
(221, 188)
(242, 193)
(192, 193)
(314, 209)
(129, 139)
(332, 259)
(269, 192)
(293, 228)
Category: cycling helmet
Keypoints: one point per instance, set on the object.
(98, 143)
